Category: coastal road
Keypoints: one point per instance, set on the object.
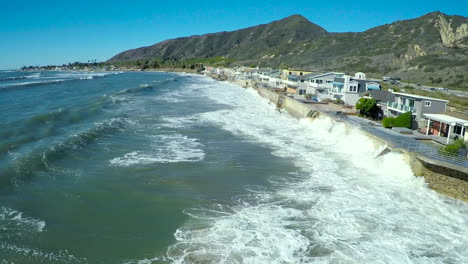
(430, 88)
(440, 89)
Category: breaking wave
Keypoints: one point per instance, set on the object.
(27, 166)
(342, 205)
(165, 149)
(39, 79)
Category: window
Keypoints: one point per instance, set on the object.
(427, 103)
(353, 88)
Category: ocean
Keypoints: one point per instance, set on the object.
(139, 168)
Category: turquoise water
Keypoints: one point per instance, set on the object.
(174, 168)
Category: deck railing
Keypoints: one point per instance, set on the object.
(400, 107)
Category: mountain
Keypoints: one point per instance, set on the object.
(241, 44)
(431, 49)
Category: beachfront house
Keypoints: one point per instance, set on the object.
(291, 72)
(268, 78)
(320, 84)
(416, 104)
(445, 126)
(349, 89)
(316, 85)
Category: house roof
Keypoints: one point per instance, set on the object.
(311, 75)
(446, 119)
(298, 70)
(421, 97)
(380, 95)
(338, 80)
(317, 75)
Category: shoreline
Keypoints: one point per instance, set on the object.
(442, 177)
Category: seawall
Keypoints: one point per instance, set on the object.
(442, 177)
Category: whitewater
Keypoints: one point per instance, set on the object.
(177, 168)
(341, 205)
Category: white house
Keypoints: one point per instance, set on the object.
(350, 89)
(317, 84)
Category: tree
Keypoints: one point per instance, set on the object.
(155, 64)
(368, 107)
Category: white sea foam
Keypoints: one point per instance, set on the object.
(71, 75)
(32, 83)
(33, 76)
(165, 149)
(171, 97)
(62, 256)
(118, 99)
(141, 261)
(342, 206)
(178, 121)
(12, 221)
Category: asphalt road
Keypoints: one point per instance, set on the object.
(440, 89)
(431, 88)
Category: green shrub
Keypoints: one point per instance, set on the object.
(403, 120)
(428, 69)
(387, 122)
(453, 148)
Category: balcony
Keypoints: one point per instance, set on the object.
(336, 90)
(400, 108)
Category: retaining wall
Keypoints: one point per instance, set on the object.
(444, 178)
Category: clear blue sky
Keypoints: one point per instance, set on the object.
(57, 32)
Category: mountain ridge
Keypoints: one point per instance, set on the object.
(216, 43)
(431, 49)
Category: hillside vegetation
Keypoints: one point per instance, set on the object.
(431, 49)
